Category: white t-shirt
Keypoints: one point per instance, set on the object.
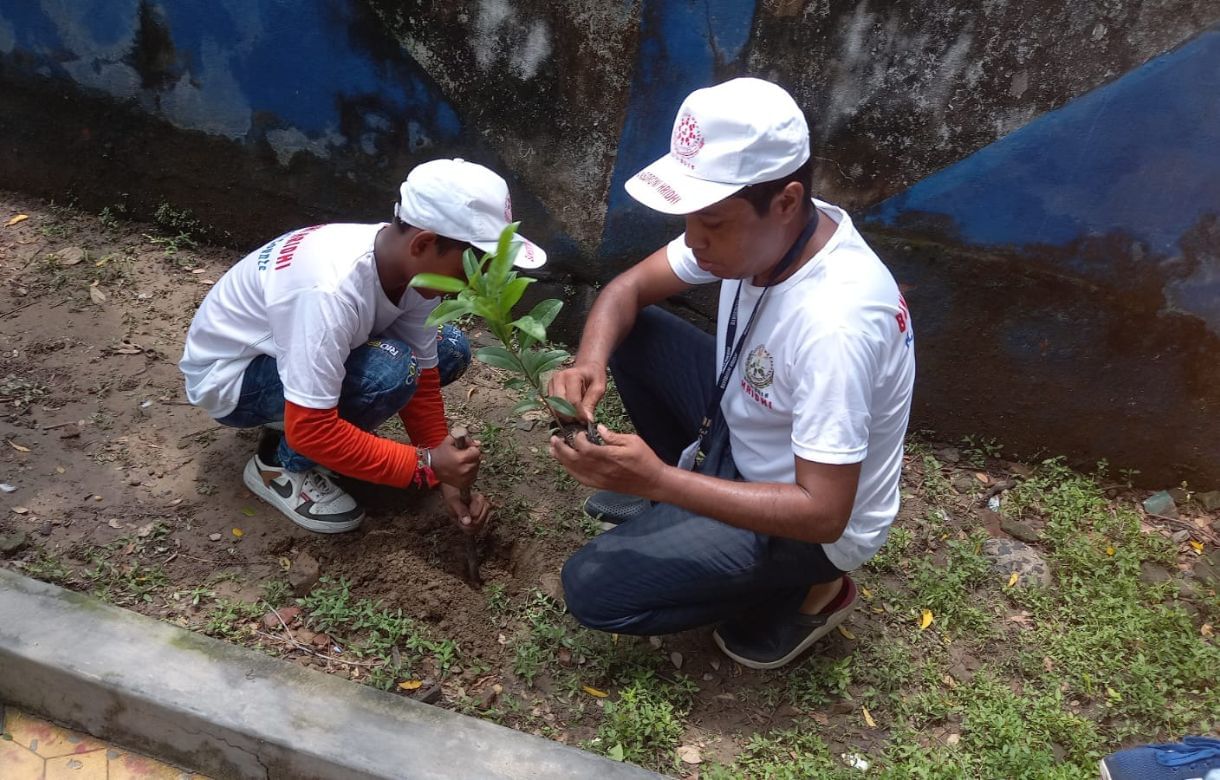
(307, 299)
(826, 375)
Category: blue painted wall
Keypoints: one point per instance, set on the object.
(1067, 222)
(1139, 157)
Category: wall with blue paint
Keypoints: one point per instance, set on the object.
(998, 153)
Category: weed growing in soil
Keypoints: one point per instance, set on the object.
(371, 631)
(642, 727)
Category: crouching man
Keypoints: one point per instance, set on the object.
(768, 461)
(319, 334)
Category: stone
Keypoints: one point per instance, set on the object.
(13, 543)
(1207, 569)
(304, 573)
(1179, 495)
(214, 537)
(1180, 536)
(1008, 555)
(1161, 504)
(1152, 574)
(45, 529)
(1209, 500)
(551, 585)
(1019, 529)
(965, 483)
(948, 455)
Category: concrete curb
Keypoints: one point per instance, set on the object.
(235, 713)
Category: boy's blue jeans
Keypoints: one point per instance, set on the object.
(669, 569)
(380, 380)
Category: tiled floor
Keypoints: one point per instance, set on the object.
(33, 749)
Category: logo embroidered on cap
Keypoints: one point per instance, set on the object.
(687, 140)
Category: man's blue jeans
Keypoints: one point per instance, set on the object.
(669, 569)
(380, 380)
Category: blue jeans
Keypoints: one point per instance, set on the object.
(379, 381)
(670, 569)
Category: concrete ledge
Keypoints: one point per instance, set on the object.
(235, 713)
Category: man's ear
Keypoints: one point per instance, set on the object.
(421, 243)
(789, 200)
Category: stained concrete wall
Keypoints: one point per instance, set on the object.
(1040, 175)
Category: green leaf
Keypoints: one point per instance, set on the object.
(448, 311)
(552, 360)
(528, 405)
(531, 327)
(531, 360)
(445, 284)
(505, 253)
(498, 357)
(562, 406)
(615, 753)
(471, 264)
(516, 383)
(513, 291)
(546, 311)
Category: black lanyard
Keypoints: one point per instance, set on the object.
(730, 358)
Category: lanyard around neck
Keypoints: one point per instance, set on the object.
(731, 358)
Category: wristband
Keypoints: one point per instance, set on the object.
(424, 475)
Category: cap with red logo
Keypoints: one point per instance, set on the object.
(463, 201)
(742, 132)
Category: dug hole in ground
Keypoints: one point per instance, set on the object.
(1022, 621)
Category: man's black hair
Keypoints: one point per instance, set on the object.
(760, 195)
(443, 243)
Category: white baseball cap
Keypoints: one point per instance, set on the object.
(742, 132)
(463, 201)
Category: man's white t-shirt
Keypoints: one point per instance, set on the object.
(826, 375)
(307, 299)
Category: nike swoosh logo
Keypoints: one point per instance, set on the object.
(283, 489)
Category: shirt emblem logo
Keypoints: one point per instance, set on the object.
(760, 368)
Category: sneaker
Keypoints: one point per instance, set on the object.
(775, 641)
(1194, 758)
(310, 499)
(614, 508)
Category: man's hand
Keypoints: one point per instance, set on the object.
(623, 463)
(453, 466)
(583, 385)
(471, 517)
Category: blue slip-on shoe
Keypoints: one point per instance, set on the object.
(1194, 758)
(614, 508)
(769, 640)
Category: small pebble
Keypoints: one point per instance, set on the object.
(1180, 536)
(214, 537)
(7, 488)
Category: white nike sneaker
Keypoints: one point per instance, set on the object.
(309, 499)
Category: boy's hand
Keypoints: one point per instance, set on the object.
(456, 467)
(583, 385)
(471, 517)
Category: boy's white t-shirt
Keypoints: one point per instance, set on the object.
(307, 299)
(825, 375)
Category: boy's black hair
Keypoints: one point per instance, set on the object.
(443, 243)
(760, 195)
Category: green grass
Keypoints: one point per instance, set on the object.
(641, 726)
(1097, 661)
(368, 630)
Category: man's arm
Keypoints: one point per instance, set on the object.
(613, 316)
(815, 509)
